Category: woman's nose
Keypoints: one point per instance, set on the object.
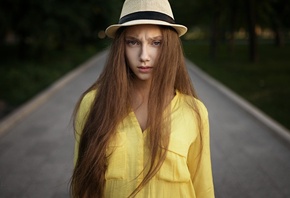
(144, 56)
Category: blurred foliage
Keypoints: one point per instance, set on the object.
(32, 30)
(200, 12)
(36, 26)
(40, 25)
(41, 40)
(264, 84)
(22, 80)
(221, 19)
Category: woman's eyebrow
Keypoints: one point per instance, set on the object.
(156, 38)
(131, 37)
(150, 38)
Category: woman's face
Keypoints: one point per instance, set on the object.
(142, 48)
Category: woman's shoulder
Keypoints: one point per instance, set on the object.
(87, 100)
(83, 110)
(89, 96)
(193, 102)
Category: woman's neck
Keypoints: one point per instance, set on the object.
(142, 88)
(140, 94)
(139, 102)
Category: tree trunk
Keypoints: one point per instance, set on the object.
(214, 30)
(233, 20)
(279, 36)
(251, 18)
(22, 46)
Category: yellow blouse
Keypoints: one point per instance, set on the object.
(180, 175)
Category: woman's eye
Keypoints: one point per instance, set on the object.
(156, 43)
(131, 42)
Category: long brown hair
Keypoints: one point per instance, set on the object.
(105, 114)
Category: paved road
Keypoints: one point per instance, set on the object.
(249, 159)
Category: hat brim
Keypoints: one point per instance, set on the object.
(112, 29)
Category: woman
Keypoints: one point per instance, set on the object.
(140, 129)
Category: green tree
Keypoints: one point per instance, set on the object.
(279, 15)
(41, 25)
(223, 17)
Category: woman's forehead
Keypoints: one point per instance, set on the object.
(143, 30)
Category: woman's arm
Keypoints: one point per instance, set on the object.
(199, 160)
(80, 119)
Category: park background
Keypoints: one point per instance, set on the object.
(243, 43)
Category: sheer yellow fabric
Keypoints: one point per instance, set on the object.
(179, 175)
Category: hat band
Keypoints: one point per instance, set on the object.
(150, 15)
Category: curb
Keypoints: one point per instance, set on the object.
(258, 114)
(43, 96)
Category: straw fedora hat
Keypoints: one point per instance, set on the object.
(138, 12)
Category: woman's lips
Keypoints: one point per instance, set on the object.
(144, 69)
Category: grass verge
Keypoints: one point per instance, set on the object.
(265, 84)
(20, 80)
